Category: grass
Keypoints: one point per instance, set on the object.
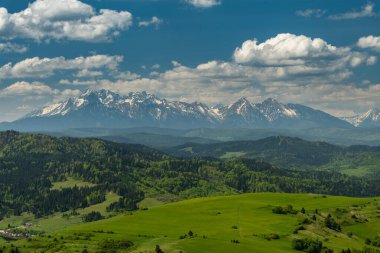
(228, 155)
(70, 183)
(57, 221)
(150, 202)
(218, 220)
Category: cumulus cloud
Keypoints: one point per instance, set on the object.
(26, 89)
(299, 53)
(311, 13)
(203, 3)
(154, 21)
(366, 11)
(35, 90)
(44, 20)
(45, 67)
(88, 73)
(371, 42)
(8, 47)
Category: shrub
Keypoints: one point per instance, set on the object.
(272, 237)
(284, 210)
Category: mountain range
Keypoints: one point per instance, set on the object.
(106, 109)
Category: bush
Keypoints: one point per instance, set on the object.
(308, 245)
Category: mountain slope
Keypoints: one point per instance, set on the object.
(105, 109)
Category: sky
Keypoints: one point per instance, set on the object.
(323, 54)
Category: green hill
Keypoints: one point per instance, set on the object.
(243, 223)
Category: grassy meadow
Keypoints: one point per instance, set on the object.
(241, 223)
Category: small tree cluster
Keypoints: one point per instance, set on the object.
(310, 246)
(93, 216)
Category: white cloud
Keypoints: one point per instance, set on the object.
(311, 13)
(299, 53)
(12, 48)
(26, 89)
(127, 75)
(36, 90)
(44, 20)
(366, 11)
(88, 73)
(203, 3)
(154, 21)
(371, 42)
(45, 67)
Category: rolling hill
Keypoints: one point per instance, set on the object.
(291, 153)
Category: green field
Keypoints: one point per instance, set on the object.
(215, 221)
(229, 155)
(70, 183)
(57, 221)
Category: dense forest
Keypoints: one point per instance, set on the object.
(31, 163)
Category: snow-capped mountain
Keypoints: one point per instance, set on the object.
(371, 118)
(106, 109)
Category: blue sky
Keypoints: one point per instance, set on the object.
(318, 53)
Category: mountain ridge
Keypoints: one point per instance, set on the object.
(104, 108)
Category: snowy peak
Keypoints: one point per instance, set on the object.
(240, 107)
(372, 114)
(371, 118)
(274, 110)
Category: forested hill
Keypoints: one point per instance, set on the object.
(30, 164)
(290, 153)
